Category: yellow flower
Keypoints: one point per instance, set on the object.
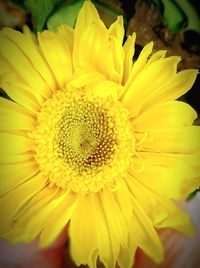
(94, 141)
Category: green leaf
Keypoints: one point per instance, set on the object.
(65, 14)
(41, 10)
(173, 16)
(191, 14)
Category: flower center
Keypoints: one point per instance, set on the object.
(83, 143)
(85, 138)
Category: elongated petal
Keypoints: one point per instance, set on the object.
(13, 117)
(19, 92)
(58, 220)
(102, 46)
(108, 248)
(171, 114)
(176, 87)
(143, 233)
(20, 144)
(156, 56)
(87, 15)
(61, 63)
(162, 177)
(80, 226)
(27, 212)
(129, 50)
(107, 44)
(20, 172)
(23, 70)
(162, 211)
(32, 52)
(35, 226)
(116, 220)
(137, 67)
(117, 29)
(11, 202)
(148, 82)
(174, 140)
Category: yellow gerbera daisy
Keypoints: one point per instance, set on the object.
(94, 141)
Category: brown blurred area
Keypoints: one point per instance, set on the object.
(149, 26)
(11, 15)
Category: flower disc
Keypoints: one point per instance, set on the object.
(83, 143)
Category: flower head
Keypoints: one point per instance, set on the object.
(94, 141)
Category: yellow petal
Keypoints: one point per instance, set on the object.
(67, 32)
(29, 34)
(116, 219)
(126, 256)
(26, 72)
(156, 56)
(19, 92)
(102, 239)
(177, 219)
(184, 167)
(13, 116)
(106, 44)
(129, 50)
(20, 144)
(87, 15)
(166, 180)
(94, 84)
(141, 61)
(171, 114)
(143, 233)
(137, 67)
(15, 199)
(148, 82)
(124, 200)
(178, 86)
(173, 140)
(116, 36)
(102, 46)
(38, 222)
(32, 52)
(16, 158)
(162, 211)
(12, 175)
(58, 220)
(107, 245)
(146, 199)
(57, 52)
(82, 225)
(117, 29)
(26, 213)
(118, 57)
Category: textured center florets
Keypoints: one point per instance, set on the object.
(83, 143)
(86, 139)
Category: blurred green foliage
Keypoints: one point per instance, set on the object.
(65, 14)
(41, 10)
(52, 13)
(179, 15)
